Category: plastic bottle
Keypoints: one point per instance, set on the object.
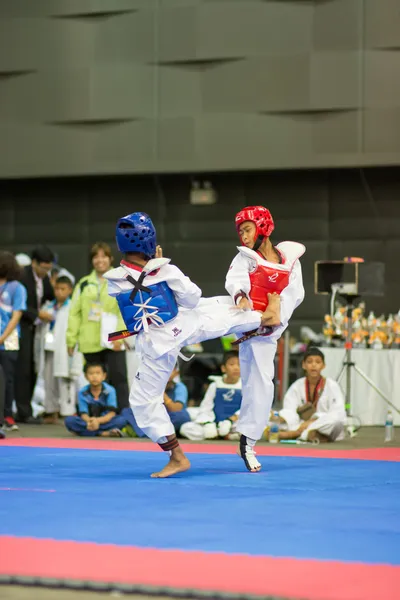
(274, 429)
(389, 426)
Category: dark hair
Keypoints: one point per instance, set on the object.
(94, 364)
(229, 355)
(9, 268)
(313, 351)
(95, 249)
(42, 254)
(64, 279)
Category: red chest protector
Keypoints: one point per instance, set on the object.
(266, 280)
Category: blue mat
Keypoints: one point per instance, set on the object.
(345, 510)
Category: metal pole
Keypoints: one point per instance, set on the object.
(349, 364)
(375, 387)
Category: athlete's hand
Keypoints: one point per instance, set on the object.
(244, 304)
(159, 253)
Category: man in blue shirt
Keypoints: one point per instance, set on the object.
(12, 304)
(97, 404)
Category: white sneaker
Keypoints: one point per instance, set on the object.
(248, 454)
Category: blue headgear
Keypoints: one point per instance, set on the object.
(136, 233)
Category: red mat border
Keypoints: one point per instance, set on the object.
(259, 575)
(385, 454)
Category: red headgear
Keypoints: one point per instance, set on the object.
(261, 217)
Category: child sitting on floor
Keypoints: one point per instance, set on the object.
(220, 407)
(313, 406)
(97, 404)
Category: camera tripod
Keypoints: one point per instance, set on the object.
(349, 364)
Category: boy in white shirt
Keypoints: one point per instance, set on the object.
(60, 371)
(313, 406)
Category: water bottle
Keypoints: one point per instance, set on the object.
(274, 429)
(389, 426)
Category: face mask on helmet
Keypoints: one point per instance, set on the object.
(136, 233)
(262, 219)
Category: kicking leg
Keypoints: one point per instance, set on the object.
(217, 320)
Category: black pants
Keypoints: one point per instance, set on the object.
(8, 360)
(115, 363)
(26, 376)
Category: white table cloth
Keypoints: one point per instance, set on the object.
(383, 367)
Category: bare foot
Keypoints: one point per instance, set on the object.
(174, 466)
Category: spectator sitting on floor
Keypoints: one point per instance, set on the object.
(220, 407)
(175, 401)
(313, 406)
(97, 405)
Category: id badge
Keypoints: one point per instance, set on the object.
(95, 312)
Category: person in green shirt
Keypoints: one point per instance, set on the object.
(90, 307)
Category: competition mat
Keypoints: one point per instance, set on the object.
(313, 524)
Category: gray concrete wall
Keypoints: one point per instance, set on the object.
(128, 86)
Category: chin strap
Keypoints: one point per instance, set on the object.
(258, 242)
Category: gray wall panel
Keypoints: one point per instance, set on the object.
(382, 130)
(338, 25)
(197, 85)
(382, 79)
(280, 83)
(382, 24)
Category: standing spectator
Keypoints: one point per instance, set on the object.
(39, 290)
(60, 371)
(94, 313)
(12, 303)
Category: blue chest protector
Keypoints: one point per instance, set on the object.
(227, 401)
(150, 305)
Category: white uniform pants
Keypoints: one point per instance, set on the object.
(59, 392)
(326, 425)
(147, 392)
(257, 372)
